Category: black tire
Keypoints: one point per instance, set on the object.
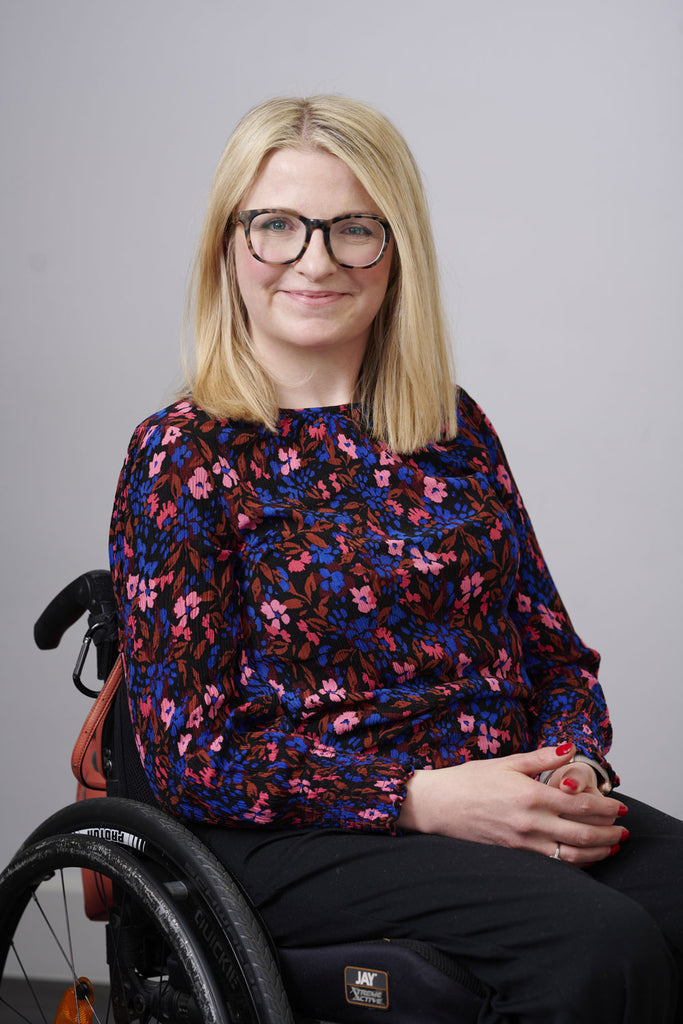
(139, 899)
(217, 915)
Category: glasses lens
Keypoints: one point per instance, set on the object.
(277, 237)
(356, 241)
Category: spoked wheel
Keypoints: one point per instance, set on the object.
(178, 943)
(156, 973)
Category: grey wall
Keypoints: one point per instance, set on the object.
(550, 137)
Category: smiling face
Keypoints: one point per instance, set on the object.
(311, 310)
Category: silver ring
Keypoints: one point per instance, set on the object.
(556, 855)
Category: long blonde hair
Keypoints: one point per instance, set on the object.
(406, 386)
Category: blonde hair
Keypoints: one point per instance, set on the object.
(406, 386)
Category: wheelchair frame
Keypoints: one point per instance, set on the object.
(183, 942)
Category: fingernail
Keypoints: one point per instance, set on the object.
(570, 784)
(614, 849)
(563, 749)
(624, 835)
(622, 811)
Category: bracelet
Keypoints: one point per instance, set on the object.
(604, 784)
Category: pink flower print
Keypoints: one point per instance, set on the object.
(187, 605)
(156, 464)
(549, 618)
(183, 743)
(322, 750)
(364, 599)
(146, 707)
(150, 433)
(167, 712)
(200, 483)
(213, 699)
(347, 445)
(395, 507)
(395, 546)
(317, 431)
(470, 586)
(333, 690)
(290, 459)
(466, 722)
(334, 480)
(386, 458)
(224, 469)
(416, 515)
(217, 744)
(168, 511)
(435, 490)
(152, 505)
(372, 814)
(504, 478)
(463, 663)
(185, 409)
(324, 493)
(494, 684)
(496, 532)
(523, 604)
(209, 632)
(503, 662)
(382, 477)
(403, 671)
(313, 701)
(300, 563)
(278, 687)
(345, 722)
(171, 436)
(132, 586)
(207, 775)
(385, 637)
(196, 718)
(488, 743)
(427, 562)
(147, 597)
(276, 612)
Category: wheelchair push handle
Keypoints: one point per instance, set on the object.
(91, 592)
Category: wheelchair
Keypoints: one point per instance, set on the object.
(179, 940)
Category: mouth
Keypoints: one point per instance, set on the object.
(314, 299)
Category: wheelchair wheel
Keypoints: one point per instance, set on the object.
(181, 942)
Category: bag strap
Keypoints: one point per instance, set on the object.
(86, 759)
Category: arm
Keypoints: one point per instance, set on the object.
(567, 702)
(215, 747)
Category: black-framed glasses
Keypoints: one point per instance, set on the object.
(353, 240)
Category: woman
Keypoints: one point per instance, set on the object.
(343, 646)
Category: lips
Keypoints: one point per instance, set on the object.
(314, 298)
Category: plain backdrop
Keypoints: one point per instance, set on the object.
(550, 136)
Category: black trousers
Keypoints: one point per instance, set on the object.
(554, 944)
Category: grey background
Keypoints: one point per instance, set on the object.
(551, 141)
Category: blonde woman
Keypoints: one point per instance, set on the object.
(347, 662)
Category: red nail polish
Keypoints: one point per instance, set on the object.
(624, 835)
(614, 849)
(563, 749)
(622, 811)
(570, 784)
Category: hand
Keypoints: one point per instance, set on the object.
(499, 801)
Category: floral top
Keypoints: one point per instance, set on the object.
(307, 617)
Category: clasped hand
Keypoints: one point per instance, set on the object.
(500, 801)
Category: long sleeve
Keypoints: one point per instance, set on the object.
(567, 702)
(215, 742)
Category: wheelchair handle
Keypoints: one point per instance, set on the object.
(91, 592)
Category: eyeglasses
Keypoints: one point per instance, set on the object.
(353, 240)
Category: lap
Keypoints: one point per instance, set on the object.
(511, 915)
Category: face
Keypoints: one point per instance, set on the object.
(312, 306)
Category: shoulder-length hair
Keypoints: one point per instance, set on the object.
(406, 386)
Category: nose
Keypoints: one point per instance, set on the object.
(316, 263)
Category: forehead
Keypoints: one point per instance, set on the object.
(310, 181)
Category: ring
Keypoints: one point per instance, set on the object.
(556, 855)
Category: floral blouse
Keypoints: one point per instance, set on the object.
(307, 617)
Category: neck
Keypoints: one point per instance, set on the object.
(309, 378)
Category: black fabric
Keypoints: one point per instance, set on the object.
(551, 942)
(129, 776)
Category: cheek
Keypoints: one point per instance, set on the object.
(253, 278)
